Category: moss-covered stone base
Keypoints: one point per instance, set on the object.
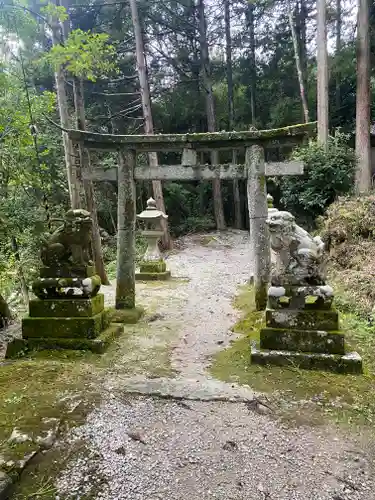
(62, 327)
(125, 316)
(153, 276)
(153, 266)
(66, 307)
(331, 342)
(21, 347)
(348, 363)
(303, 319)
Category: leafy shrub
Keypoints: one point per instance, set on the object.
(327, 175)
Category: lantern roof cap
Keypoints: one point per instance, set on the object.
(151, 211)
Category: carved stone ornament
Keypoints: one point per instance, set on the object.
(299, 257)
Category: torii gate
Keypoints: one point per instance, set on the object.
(254, 171)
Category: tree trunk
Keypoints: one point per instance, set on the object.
(88, 184)
(253, 75)
(62, 103)
(210, 111)
(5, 314)
(322, 63)
(147, 115)
(338, 50)
(298, 64)
(228, 39)
(362, 131)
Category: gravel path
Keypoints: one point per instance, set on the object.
(201, 440)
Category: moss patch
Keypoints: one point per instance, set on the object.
(126, 316)
(62, 327)
(301, 395)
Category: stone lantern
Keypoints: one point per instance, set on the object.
(271, 208)
(152, 266)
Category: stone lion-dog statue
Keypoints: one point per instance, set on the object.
(70, 243)
(300, 257)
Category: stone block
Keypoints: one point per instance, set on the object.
(319, 341)
(348, 363)
(82, 327)
(20, 347)
(125, 316)
(152, 276)
(152, 266)
(309, 319)
(68, 307)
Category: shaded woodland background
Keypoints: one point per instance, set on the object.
(209, 66)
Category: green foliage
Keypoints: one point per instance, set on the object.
(56, 12)
(84, 55)
(327, 174)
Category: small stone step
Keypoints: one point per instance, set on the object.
(347, 363)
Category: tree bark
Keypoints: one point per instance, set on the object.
(298, 64)
(147, 115)
(210, 111)
(322, 63)
(362, 131)
(338, 50)
(228, 39)
(88, 185)
(62, 103)
(5, 313)
(253, 75)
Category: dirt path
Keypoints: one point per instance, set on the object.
(201, 440)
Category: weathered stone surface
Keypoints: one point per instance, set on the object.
(70, 244)
(302, 340)
(45, 288)
(157, 266)
(125, 283)
(66, 307)
(302, 319)
(299, 297)
(348, 363)
(300, 258)
(5, 484)
(20, 347)
(152, 276)
(125, 316)
(82, 327)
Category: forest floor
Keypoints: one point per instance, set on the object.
(174, 409)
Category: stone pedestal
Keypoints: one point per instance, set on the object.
(302, 329)
(74, 322)
(152, 270)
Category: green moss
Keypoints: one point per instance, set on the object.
(66, 307)
(153, 266)
(261, 297)
(343, 398)
(141, 276)
(62, 327)
(126, 316)
(97, 345)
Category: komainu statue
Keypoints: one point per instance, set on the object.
(70, 243)
(299, 267)
(300, 257)
(65, 254)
